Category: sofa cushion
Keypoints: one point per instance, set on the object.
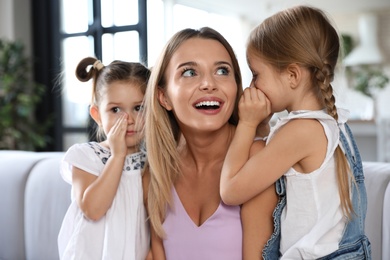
(47, 199)
(15, 170)
(378, 209)
(386, 225)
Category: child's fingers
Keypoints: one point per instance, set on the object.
(248, 95)
(254, 106)
(117, 135)
(120, 125)
(253, 95)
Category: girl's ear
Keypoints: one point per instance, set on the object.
(294, 72)
(94, 112)
(163, 100)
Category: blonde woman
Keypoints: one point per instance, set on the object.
(191, 116)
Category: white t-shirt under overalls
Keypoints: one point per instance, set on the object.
(312, 222)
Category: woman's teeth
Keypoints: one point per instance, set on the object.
(207, 104)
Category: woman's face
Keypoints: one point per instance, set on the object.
(200, 85)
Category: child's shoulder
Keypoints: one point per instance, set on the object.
(88, 147)
(89, 157)
(87, 150)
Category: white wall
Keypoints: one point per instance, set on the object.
(15, 22)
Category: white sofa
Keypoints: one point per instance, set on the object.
(34, 199)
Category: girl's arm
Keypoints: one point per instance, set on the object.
(94, 194)
(301, 144)
(251, 112)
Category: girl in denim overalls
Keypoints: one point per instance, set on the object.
(310, 153)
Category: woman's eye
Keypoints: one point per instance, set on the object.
(139, 108)
(188, 73)
(223, 71)
(116, 109)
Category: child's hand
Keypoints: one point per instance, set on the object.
(116, 136)
(254, 107)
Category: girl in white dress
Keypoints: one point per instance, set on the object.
(107, 218)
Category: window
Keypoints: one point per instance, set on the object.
(105, 29)
(65, 31)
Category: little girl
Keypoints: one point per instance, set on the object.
(107, 218)
(292, 56)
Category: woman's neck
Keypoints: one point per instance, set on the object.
(202, 149)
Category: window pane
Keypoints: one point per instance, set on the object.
(120, 46)
(156, 36)
(76, 95)
(119, 12)
(75, 8)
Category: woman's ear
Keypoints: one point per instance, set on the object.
(163, 100)
(94, 112)
(294, 72)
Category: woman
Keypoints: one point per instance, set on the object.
(191, 115)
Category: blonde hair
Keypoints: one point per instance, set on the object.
(102, 76)
(162, 132)
(305, 36)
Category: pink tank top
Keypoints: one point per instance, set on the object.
(219, 237)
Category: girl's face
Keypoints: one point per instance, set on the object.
(272, 83)
(123, 97)
(200, 85)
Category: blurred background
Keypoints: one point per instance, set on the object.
(56, 34)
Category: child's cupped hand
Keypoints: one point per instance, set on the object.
(254, 107)
(116, 136)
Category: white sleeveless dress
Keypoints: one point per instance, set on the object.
(123, 232)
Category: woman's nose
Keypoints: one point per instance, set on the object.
(208, 83)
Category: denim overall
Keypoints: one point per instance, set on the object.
(271, 249)
(353, 244)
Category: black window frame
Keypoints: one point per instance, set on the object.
(47, 38)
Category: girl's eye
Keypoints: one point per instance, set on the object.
(139, 108)
(188, 72)
(116, 109)
(223, 71)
